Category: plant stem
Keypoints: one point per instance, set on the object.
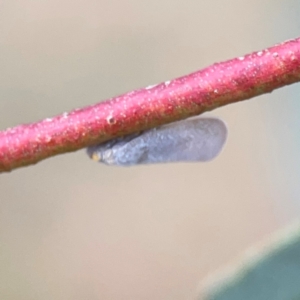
(215, 86)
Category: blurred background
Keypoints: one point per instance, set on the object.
(74, 229)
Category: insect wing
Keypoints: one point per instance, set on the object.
(194, 139)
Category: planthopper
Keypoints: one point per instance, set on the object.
(191, 140)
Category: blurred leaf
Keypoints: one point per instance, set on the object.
(271, 272)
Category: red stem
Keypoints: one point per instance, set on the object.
(220, 84)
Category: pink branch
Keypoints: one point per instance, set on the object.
(220, 84)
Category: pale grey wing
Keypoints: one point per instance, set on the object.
(194, 139)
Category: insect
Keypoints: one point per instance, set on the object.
(190, 140)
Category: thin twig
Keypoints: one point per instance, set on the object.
(220, 84)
